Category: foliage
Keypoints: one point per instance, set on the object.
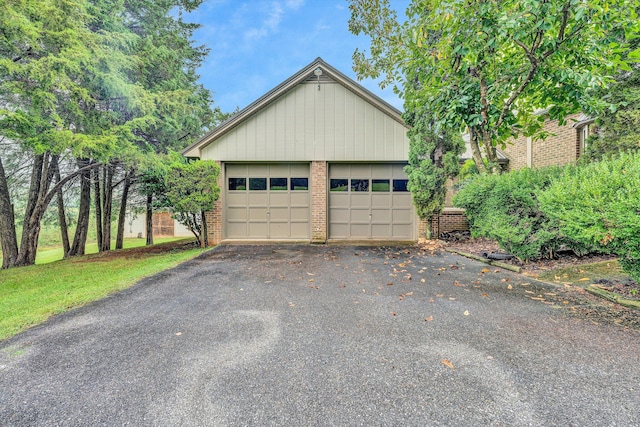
(101, 81)
(70, 283)
(433, 159)
(618, 129)
(486, 66)
(191, 189)
(505, 208)
(599, 204)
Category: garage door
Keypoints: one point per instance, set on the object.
(369, 201)
(267, 201)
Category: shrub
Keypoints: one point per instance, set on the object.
(505, 208)
(599, 204)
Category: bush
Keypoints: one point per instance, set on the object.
(599, 204)
(505, 208)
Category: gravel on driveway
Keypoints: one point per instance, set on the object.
(278, 335)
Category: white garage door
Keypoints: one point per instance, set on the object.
(370, 201)
(267, 201)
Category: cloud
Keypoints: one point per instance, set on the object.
(274, 12)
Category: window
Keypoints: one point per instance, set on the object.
(237, 184)
(583, 135)
(298, 184)
(257, 184)
(380, 185)
(359, 185)
(276, 184)
(339, 185)
(400, 185)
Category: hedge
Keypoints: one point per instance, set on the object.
(599, 204)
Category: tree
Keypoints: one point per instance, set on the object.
(192, 189)
(433, 160)
(486, 66)
(618, 129)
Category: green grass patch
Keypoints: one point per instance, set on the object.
(30, 295)
(585, 274)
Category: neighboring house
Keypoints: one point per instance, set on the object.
(564, 145)
(316, 159)
(164, 225)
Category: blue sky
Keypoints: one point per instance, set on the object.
(257, 44)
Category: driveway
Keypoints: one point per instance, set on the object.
(324, 335)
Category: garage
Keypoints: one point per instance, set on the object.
(369, 201)
(267, 201)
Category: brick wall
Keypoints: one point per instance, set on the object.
(318, 202)
(559, 148)
(214, 217)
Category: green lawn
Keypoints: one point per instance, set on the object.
(30, 295)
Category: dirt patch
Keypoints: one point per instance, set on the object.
(175, 246)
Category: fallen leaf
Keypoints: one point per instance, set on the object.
(447, 363)
(529, 292)
(485, 270)
(431, 300)
(291, 304)
(390, 284)
(565, 302)
(509, 287)
(311, 280)
(422, 281)
(310, 274)
(453, 267)
(428, 319)
(537, 298)
(485, 295)
(584, 279)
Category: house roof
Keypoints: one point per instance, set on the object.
(301, 76)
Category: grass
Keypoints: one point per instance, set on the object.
(30, 295)
(584, 274)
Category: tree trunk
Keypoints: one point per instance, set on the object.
(82, 228)
(123, 211)
(149, 220)
(97, 200)
(204, 238)
(107, 204)
(41, 178)
(475, 150)
(62, 219)
(8, 238)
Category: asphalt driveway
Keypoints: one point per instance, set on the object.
(324, 335)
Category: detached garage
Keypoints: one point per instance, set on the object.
(317, 158)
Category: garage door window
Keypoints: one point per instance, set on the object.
(380, 185)
(299, 184)
(257, 184)
(359, 185)
(278, 184)
(237, 184)
(400, 185)
(339, 185)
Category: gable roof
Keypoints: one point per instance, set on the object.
(306, 73)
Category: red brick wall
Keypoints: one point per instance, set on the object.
(214, 217)
(318, 202)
